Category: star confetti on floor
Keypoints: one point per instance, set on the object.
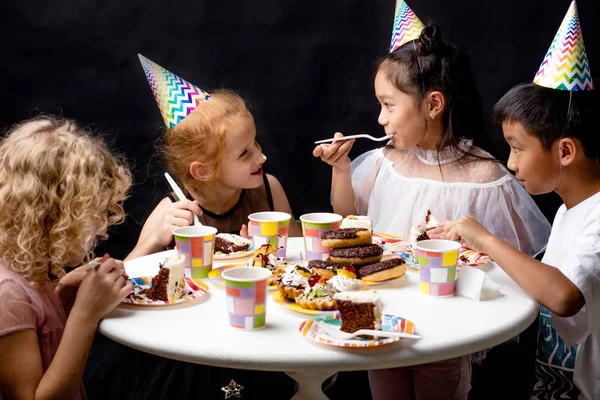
(233, 389)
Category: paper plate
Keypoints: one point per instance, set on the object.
(193, 290)
(215, 274)
(395, 246)
(390, 244)
(295, 307)
(310, 330)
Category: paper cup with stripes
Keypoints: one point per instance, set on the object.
(313, 225)
(246, 291)
(437, 261)
(270, 227)
(197, 244)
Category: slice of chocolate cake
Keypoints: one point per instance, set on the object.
(359, 310)
(158, 290)
(227, 243)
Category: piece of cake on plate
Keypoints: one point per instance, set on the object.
(359, 310)
(419, 232)
(227, 243)
(357, 221)
(169, 283)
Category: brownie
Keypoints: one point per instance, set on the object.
(380, 266)
(343, 233)
(363, 251)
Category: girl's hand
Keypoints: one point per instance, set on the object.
(336, 153)
(180, 213)
(102, 289)
(465, 229)
(245, 232)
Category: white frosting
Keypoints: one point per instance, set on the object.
(414, 233)
(317, 291)
(342, 284)
(176, 273)
(362, 297)
(291, 277)
(357, 221)
(272, 261)
(433, 222)
(235, 239)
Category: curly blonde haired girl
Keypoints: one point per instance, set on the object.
(60, 190)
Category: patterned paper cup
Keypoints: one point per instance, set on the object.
(197, 244)
(270, 227)
(437, 261)
(246, 289)
(312, 226)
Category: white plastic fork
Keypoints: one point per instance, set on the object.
(180, 195)
(361, 135)
(336, 333)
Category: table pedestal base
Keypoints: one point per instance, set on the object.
(309, 384)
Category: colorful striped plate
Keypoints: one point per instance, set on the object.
(193, 290)
(395, 246)
(310, 330)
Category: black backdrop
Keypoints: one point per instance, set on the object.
(305, 66)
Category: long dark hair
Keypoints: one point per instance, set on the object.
(429, 64)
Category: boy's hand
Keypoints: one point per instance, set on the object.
(336, 153)
(465, 230)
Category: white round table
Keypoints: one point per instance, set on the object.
(199, 331)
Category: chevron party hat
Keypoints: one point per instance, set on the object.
(407, 26)
(176, 98)
(566, 66)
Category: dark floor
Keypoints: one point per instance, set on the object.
(117, 372)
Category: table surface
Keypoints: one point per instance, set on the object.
(199, 331)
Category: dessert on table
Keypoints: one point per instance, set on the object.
(353, 246)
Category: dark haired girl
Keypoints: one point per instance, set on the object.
(430, 108)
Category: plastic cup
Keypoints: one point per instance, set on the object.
(313, 225)
(197, 244)
(246, 291)
(270, 227)
(437, 260)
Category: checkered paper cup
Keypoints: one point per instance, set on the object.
(270, 227)
(197, 244)
(313, 225)
(246, 289)
(437, 261)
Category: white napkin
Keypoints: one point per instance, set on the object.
(475, 284)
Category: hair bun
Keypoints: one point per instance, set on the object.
(430, 40)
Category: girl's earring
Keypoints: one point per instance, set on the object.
(432, 116)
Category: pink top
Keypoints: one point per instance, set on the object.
(24, 307)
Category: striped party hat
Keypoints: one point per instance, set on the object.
(566, 66)
(176, 98)
(407, 26)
